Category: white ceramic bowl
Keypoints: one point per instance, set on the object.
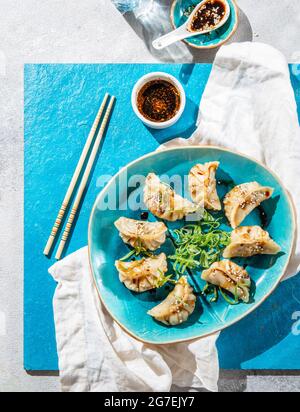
(158, 76)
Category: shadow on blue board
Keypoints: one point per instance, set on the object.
(295, 80)
(265, 328)
(186, 125)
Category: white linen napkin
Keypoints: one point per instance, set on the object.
(97, 355)
(248, 105)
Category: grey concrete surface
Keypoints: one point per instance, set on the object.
(60, 31)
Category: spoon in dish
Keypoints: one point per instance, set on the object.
(207, 16)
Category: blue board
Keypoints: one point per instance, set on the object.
(61, 102)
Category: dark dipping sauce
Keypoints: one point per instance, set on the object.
(263, 216)
(144, 215)
(158, 100)
(208, 16)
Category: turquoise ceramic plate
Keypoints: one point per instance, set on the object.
(105, 246)
(205, 41)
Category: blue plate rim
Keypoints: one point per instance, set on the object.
(254, 307)
(213, 46)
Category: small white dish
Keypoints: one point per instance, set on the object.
(158, 76)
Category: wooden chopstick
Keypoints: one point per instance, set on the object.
(75, 177)
(84, 180)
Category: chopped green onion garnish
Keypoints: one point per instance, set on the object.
(131, 253)
(199, 245)
(163, 279)
(137, 251)
(227, 298)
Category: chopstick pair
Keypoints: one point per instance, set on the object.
(84, 179)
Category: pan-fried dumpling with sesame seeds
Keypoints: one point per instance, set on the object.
(144, 274)
(244, 198)
(203, 185)
(163, 202)
(248, 241)
(150, 235)
(177, 306)
(229, 276)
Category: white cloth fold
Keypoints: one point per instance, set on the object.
(96, 354)
(248, 105)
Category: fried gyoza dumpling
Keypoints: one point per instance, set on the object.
(202, 184)
(177, 306)
(142, 275)
(163, 202)
(150, 235)
(249, 241)
(229, 276)
(242, 199)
